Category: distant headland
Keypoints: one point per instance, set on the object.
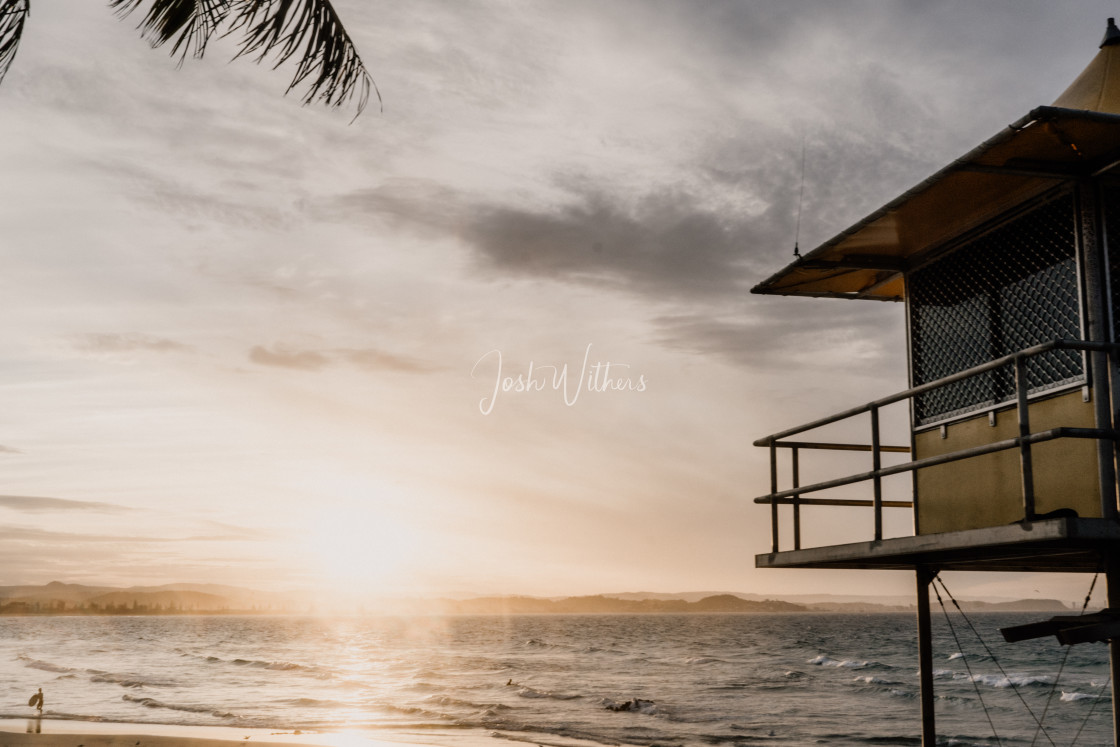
(58, 598)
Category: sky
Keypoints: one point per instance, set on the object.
(251, 342)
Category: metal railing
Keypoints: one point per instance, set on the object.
(1023, 441)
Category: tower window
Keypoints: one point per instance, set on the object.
(1009, 289)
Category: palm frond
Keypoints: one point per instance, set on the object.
(308, 30)
(189, 23)
(13, 14)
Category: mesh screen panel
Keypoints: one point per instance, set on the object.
(1111, 210)
(1011, 288)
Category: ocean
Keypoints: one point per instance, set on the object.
(773, 679)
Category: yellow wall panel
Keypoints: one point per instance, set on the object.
(987, 490)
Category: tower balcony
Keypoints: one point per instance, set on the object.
(1024, 482)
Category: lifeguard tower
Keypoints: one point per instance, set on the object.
(1007, 262)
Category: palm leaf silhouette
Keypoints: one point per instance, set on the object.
(306, 31)
(13, 14)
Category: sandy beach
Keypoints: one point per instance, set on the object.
(58, 733)
(15, 739)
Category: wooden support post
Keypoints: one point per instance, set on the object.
(1112, 577)
(1094, 268)
(925, 656)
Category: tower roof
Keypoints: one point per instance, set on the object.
(1098, 87)
(1077, 137)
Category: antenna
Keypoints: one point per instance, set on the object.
(800, 200)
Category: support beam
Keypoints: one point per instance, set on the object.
(1112, 576)
(1094, 268)
(925, 656)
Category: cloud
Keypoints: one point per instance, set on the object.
(221, 531)
(9, 450)
(39, 504)
(667, 245)
(860, 336)
(370, 359)
(282, 357)
(378, 360)
(33, 534)
(120, 343)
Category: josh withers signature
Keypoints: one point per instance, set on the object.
(594, 377)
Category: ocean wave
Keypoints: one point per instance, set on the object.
(872, 680)
(828, 661)
(45, 666)
(1015, 680)
(153, 703)
(129, 680)
(313, 703)
(529, 692)
(277, 666)
(957, 655)
(447, 700)
(280, 666)
(96, 675)
(697, 660)
(634, 705)
(1072, 697)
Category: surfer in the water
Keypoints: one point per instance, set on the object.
(37, 701)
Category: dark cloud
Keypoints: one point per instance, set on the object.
(370, 359)
(666, 246)
(863, 87)
(772, 335)
(120, 343)
(39, 504)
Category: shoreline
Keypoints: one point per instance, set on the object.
(44, 732)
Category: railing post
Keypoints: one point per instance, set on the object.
(877, 480)
(1025, 465)
(796, 499)
(773, 490)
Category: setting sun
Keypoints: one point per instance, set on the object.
(360, 550)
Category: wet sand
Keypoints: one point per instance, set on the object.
(35, 732)
(16, 739)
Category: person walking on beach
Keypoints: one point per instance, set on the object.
(37, 701)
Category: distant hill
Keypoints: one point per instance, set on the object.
(1019, 605)
(612, 605)
(59, 598)
(78, 599)
(857, 603)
